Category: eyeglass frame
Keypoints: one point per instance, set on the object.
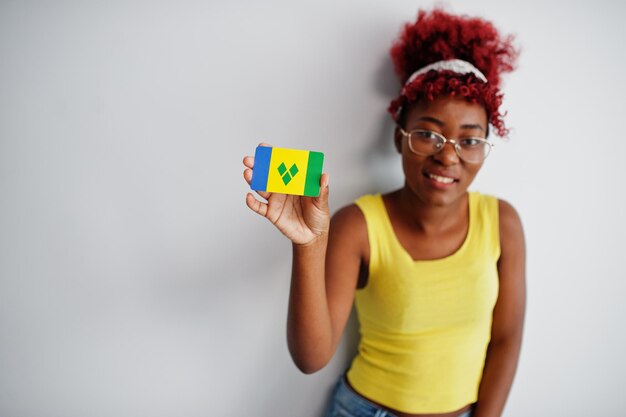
(454, 142)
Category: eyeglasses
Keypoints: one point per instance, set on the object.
(425, 143)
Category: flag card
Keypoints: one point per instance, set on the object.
(287, 171)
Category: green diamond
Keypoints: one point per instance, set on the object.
(287, 176)
(293, 170)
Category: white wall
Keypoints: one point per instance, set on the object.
(135, 282)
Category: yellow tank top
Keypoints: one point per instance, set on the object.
(425, 325)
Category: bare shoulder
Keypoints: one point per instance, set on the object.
(349, 216)
(509, 217)
(511, 230)
(348, 231)
(508, 314)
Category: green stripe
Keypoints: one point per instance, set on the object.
(313, 174)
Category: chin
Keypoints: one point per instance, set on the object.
(439, 198)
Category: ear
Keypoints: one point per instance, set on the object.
(397, 139)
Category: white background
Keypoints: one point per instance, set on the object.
(135, 282)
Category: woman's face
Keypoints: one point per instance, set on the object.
(428, 177)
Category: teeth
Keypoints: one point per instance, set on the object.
(444, 180)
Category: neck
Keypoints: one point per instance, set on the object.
(429, 217)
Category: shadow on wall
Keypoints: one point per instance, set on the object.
(383, 171)
(351, 337)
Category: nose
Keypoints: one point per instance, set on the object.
(447, 155)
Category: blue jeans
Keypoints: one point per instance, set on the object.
(345, 402)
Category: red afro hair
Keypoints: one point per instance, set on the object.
(438, 35)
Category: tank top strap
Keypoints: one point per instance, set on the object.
(487, 223)
(379, 230)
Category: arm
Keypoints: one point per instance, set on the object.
(323, 282)
(508, 317)
(326, 261)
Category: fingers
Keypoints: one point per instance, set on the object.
(324, 180)
(247, 175)
(248, 161)
(255, 205)
(322, 199)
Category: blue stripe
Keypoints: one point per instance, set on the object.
(261, 168)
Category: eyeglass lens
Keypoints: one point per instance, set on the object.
(468, 149)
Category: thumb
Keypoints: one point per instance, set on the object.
(322, 199)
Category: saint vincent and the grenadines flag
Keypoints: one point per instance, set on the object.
(287, 171)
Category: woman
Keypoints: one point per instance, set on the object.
(436, 272)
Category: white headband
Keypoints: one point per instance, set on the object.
(455, 65)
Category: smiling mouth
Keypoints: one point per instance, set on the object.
(440, 179)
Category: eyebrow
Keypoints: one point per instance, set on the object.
(431, 119)
(441, 124)
(472, 126)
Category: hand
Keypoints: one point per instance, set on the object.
(301, 219)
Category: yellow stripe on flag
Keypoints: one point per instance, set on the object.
(287, 172)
